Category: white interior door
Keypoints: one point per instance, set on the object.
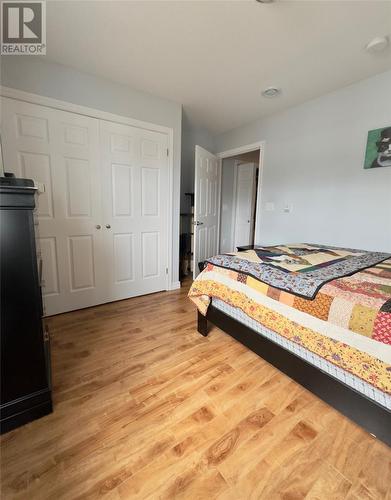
(207, 189)
(59, 150)
(244, 209)
(135, 179)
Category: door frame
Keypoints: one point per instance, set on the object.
(220, 165)
(49, 102)
(237, 164)
(247, 149)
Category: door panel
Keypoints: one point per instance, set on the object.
(81, 265)
(78, 211)
(135, 206)
(206, 205)
(201, 242)
(122, 189)
(150, 252)
(37, 166)
(78, 181)
(75, 135)
(31, 127)
(124, 257)
(211, 238)
(59, 150)
(150, 191)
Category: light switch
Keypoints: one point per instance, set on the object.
(287, 209)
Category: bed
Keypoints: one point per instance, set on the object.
(320, 314)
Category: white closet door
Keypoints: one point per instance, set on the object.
(135, 197)
(59, 150)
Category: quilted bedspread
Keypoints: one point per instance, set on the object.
(301, 269)
(348, 323)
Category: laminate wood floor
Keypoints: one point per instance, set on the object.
(145, 407)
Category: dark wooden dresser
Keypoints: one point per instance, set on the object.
(25, 345)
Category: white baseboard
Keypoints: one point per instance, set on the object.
(175, 285)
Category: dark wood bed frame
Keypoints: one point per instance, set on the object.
(366, 413)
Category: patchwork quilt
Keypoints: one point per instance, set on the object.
(348, 323)
(300, 269)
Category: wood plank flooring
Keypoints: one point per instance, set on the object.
(145, 407)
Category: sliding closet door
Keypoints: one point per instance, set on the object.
(135, 198)
(60, 151)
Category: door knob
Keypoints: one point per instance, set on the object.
(197, 223)
(108, 226)
(98, 226)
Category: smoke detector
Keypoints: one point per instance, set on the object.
(271, 92)
(377, 44)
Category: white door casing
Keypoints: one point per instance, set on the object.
(244, 204)
(207, 192)
(61, 152)
(135, 207)
(259, 199)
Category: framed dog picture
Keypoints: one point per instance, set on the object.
(378, 151)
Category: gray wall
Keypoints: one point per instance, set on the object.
(192, 136)
(32, 74)
(314, 156)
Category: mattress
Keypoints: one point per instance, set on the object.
(336, 372)
(345, 330)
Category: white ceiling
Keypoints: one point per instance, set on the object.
(215, 57)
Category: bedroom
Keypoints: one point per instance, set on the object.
(138, 404)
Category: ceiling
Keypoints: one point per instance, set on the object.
(215, 57)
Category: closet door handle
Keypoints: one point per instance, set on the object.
(98, 226)
(108, 226)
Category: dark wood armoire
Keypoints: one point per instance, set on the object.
(25, 344)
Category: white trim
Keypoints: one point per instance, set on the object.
(195, 208)
(219, 205)
(49, 102)
(170, 161)
(247, 149)
(258, 208)
(242, 149)
(234, 199)
(205, 151)
(175, 285)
